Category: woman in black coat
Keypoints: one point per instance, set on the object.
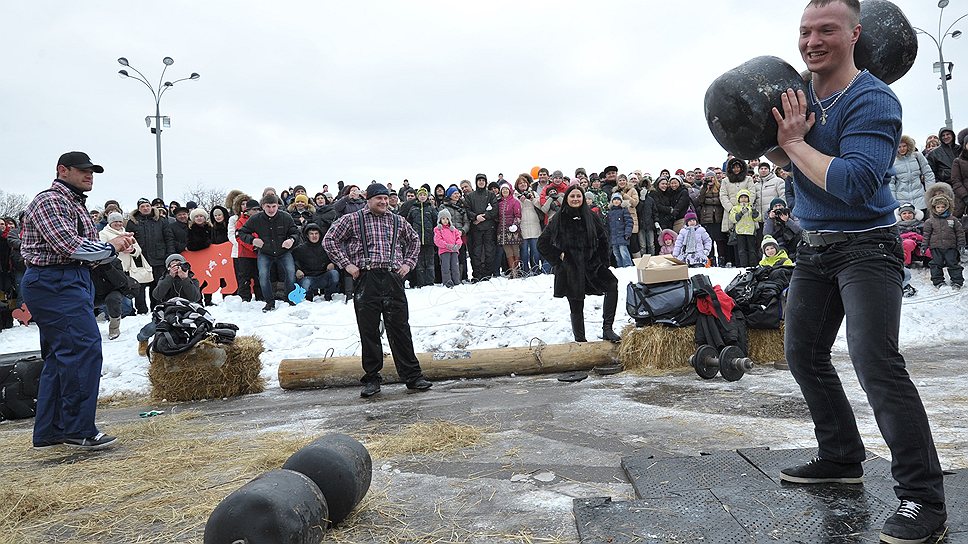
(665, 201)
(576, 244)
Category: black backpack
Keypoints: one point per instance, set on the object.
(19, 384)
(670, 303)
(182, 324)
(759, 294)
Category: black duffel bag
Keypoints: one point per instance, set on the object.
(19, 382)
(669, 303)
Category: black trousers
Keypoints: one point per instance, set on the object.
(483, 247)
(379, 293)
(246, 271)
(859, 280)
(159, 271)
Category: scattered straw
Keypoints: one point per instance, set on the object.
(424, 438)
(159, 485)
(208, 371)
(123, 399)
(766, 345)
(656, 347)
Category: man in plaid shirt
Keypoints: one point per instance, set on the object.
(378, 249)
(60, 245)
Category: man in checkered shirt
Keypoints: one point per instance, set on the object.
(60, 246)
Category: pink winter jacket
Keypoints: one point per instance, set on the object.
(446, 236)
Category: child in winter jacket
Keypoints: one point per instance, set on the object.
(619, 223)
(773, 254)
(693, 243)
(667, 241)
(745, 216)
(945, 235)
(910, 223)
(447, 238)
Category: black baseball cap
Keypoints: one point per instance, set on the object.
(80, 160)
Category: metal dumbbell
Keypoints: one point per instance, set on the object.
(731, 362)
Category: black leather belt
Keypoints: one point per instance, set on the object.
(821, 239)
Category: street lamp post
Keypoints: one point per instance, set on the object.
(942, 66)
(157, 94)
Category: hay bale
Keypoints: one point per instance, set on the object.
(656, 347)
(766, 345)
(208, 371)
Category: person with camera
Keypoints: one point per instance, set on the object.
(178, 282)
(530, 224)
(783, 227)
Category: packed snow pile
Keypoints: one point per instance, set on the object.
(496, 313)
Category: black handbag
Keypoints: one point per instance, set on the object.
(669, 303)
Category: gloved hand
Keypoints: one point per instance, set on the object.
(657, 227)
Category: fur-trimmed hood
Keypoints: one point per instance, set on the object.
(309, 208)
(939, 192)
(918, 214)
(736, 178)
(238, 202)
(230, 198)
(912, 146)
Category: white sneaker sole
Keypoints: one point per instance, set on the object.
(93, 447)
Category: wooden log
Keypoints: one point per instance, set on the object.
(482, 363)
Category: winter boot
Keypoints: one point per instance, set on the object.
(143, 348)
(578, 319)
(114, 328)
(608, 316)
(578, 326)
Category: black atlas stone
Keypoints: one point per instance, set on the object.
(278, 507)
(888, 44)
(341, 468)
(739, 105)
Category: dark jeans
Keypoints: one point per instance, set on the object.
(287, 272)
(860, 280)
(115, 304)
(483, 248)
(946, 258)
(379, 293)
(529, 254)
(327, 283)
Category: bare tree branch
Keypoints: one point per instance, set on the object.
(11, 204)
(205, 197)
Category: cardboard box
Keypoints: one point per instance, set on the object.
(660, 269)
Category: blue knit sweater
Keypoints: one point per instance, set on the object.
(862, 133)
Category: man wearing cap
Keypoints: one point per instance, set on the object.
(59, 246)
(153, 233)
(272, 233)
(482, 212)
(378, 248)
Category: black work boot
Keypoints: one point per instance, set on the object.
(578, 326)
(608, 317)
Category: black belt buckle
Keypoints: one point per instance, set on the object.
(821, 239)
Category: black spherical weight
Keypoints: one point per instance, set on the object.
(739, 105)
(278, 507)
(888, 44)
(341, 468)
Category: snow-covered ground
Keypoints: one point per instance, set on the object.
(497, 313)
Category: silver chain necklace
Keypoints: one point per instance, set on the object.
(836, 97)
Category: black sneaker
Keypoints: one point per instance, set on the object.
(420, 384)
(821, 471)
(370, 389)
(96, 442)
(47, 444)
(914, 522)
(909, 290)
(269, 307)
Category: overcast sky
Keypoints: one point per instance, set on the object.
(313, 92)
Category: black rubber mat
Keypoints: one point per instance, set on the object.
(737, 496)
